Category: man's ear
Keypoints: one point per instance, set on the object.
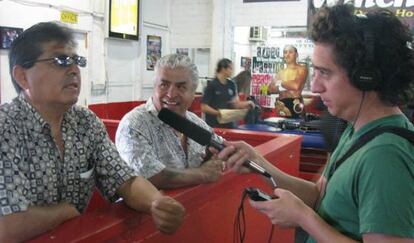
(19, 74)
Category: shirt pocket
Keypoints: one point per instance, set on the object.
(86, 187)
(87, 174)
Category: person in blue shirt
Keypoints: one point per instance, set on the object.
(221, 93)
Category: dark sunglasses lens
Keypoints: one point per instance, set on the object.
(81, 61)
(66, 61)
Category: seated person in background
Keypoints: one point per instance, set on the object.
(289, 83)
(54, 153)
(156, 151)
(221, 93)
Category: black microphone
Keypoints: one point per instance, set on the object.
(201, 136)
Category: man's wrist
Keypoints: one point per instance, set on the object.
(308, 218)
(68, 211)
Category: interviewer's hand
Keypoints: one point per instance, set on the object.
(286, 210)
(234, 154)
(167, 214)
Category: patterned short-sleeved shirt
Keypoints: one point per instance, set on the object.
(32, 172)
(148, 145)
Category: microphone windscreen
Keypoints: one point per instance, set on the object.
(183, 125)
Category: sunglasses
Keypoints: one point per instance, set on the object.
(62, 61)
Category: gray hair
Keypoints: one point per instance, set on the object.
(176, 61)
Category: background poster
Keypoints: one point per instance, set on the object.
(153, 51)
(7, 36)
(246, 63)
(267, 60)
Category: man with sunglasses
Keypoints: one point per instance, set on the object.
(53, 153)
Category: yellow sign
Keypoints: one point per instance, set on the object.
(68, 17)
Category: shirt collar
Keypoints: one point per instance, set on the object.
(34, 115)
(150, 107)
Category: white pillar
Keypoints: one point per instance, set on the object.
(217, 36)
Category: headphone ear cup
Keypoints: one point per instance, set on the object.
(366, 78)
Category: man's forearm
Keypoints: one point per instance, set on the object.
(18, 227)
(305, 190)
(173, 178)
(138, 193)
(321, 231)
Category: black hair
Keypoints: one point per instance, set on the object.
(393, 51)
(28, 46)
(222, 64)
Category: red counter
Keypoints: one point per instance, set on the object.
(114, 110)
(210, 208)
(117, 110)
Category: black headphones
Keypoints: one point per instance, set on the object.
(367, 77)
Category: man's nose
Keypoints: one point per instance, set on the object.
(172, 91)
(315, 84)
(74, 68)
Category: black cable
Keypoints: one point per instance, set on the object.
(359, 109)
(239, 226)
(239, 229)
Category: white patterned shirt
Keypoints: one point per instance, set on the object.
(32, 172)
(149, 145)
